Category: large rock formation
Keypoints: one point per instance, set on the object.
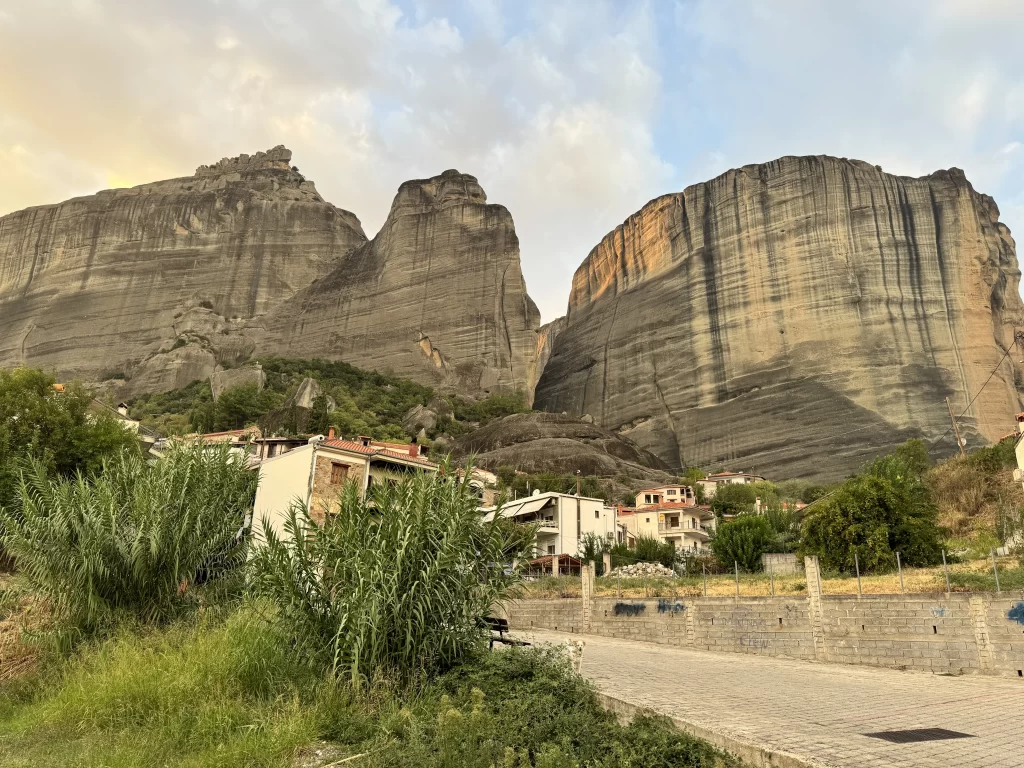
(437, 296)
(795, 318)
(163, 284)
(551, 442)
(153, 283)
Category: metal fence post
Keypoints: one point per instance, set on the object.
(856, 565)
(735, 563)
(995, 570)
(946, 569)
(705, 571)
(899, 566)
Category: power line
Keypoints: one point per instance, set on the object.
(957, 419)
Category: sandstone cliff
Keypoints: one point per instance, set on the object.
(437, 296)
(154, 282)
(794, 318)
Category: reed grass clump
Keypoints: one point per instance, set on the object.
(393, 584)
(134, 541)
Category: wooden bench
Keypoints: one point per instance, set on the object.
(501, 627)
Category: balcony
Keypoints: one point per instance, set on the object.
(678, 528)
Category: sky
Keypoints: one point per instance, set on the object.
(571, 113)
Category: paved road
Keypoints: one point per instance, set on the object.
(816, 713)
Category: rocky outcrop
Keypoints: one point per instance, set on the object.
(553, 442)
(153, 284)
(795, 318)
(437, 296)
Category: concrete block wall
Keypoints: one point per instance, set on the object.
(960, 634)
(926, 632)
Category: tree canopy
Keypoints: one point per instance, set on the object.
(56, 429)
(887, 508)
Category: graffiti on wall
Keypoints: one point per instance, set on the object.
(670, 606)
(629, 609)
(939, 612)
(1016, 613)
(749, 641)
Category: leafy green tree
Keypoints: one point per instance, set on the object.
(743, 541)
(319, 416)
(57, 429)
(887, 508)
(243, 405)
(733, 499)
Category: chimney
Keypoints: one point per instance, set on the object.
(1020, 422)
(330, 433)
(364, 440)
(414, 450)
(122, 408)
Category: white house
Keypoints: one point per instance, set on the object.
(316, 473)
(711, 482)
(563, 520)
(675, 494)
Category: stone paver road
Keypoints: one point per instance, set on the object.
(815, 713)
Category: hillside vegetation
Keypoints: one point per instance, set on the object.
(365, 403)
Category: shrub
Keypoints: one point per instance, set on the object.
(134, 540)
(646, 549)
(743, 541)
(591, 550)
(888, 508)
(394, 584)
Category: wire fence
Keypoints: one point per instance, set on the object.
(994, 574)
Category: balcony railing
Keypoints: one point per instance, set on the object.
(682, 527)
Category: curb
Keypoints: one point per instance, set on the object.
(751, 754)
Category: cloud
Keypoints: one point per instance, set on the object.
(913, 86)
(548, 103)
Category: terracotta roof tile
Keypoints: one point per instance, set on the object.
(365, 450)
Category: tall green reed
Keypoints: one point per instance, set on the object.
(133, 541)
(392, 585)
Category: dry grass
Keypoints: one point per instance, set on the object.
(964, 577)
(970, 500)
(18, 612)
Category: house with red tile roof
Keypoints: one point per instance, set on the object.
(668, 494)
(316, 473)
(711, 482)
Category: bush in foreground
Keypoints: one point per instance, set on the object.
(211, 694)
(394, 584)
(133, 541)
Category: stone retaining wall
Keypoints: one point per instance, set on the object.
(962, 633)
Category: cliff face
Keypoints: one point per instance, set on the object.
(794, 318)
(154, 282)
(437, 296)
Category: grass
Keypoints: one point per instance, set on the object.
(973, 576)
(211, 693)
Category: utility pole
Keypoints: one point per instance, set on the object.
(956, 429)
(577, 482)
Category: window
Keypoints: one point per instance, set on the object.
(551, 549)
(647, 498)
(647, 519)
(671, 491)
(338, 473)
(597, 514)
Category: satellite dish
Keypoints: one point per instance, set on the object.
(536, 492)
(963, 441)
